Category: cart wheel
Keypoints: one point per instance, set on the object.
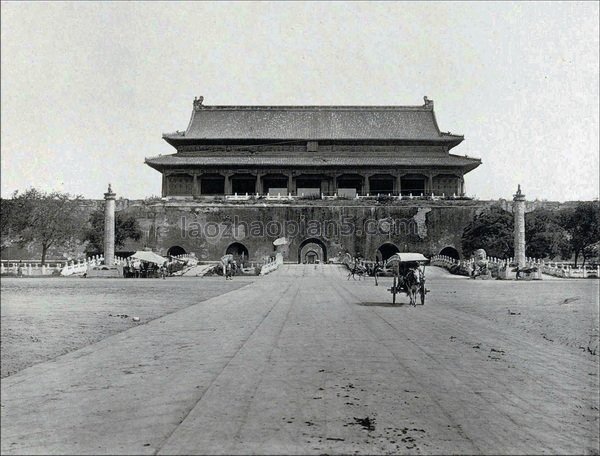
(394, 291)
(423, 291)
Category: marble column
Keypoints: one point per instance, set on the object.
(109, 227)
(519, 227)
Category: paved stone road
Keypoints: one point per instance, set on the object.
(304, 361)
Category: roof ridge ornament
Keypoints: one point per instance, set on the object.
(427, 102)
(198, 103)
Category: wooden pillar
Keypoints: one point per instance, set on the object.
(259, 187)
(334, 183)
(164, 185)
(228, 183)
(290, 183)
(195, 185)
(366, 185)
(399, 184)
(430, 183)
(324, 184)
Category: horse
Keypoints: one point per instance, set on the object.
(375, 270)
(356, 270)
(412, 282)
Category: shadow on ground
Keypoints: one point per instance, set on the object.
(383, 304)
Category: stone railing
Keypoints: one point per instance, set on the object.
(189, 258)
(323, 196)
(272, 264)
(81, 266)
(410, 196)
(29, 268)
(279, 197)
(504, 268)
(236, 197)
(565, 270)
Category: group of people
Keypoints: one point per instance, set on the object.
(135, 268)
(230, 269)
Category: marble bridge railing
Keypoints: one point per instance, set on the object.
(272, 264)
(81, 266)
(30, 268)
(503, 268)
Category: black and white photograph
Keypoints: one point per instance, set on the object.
(299, 228)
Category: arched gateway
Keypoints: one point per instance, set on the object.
(176, 250)
(312, 250)
(450, 252)
(386, 250)
(238, 250)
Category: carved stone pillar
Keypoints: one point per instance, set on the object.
(519, 227)
(109, 227)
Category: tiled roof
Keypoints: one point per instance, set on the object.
(449, 160)
(411, 123)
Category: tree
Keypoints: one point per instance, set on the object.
(48, 219)
(491, 230)
(544, 235)
(9, 223)
(583, 227)
(126, 227)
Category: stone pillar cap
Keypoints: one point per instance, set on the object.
(109, 194)
(519, 196)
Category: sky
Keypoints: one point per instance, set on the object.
(87, 88)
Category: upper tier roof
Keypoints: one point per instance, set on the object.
(403, 123)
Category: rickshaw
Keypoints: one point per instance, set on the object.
(402, 266)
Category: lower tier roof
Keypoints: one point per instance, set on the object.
(452, 161)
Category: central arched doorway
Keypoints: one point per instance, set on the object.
(450, 252)
(239, 251)
(176, 251)
(385, 251)
(312, 250)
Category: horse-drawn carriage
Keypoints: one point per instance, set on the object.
(409, 275)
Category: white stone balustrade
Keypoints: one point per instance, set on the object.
(81, 266)
(272, 264)
(505, 270)
(29, 268)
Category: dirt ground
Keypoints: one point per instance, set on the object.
(47, 317)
